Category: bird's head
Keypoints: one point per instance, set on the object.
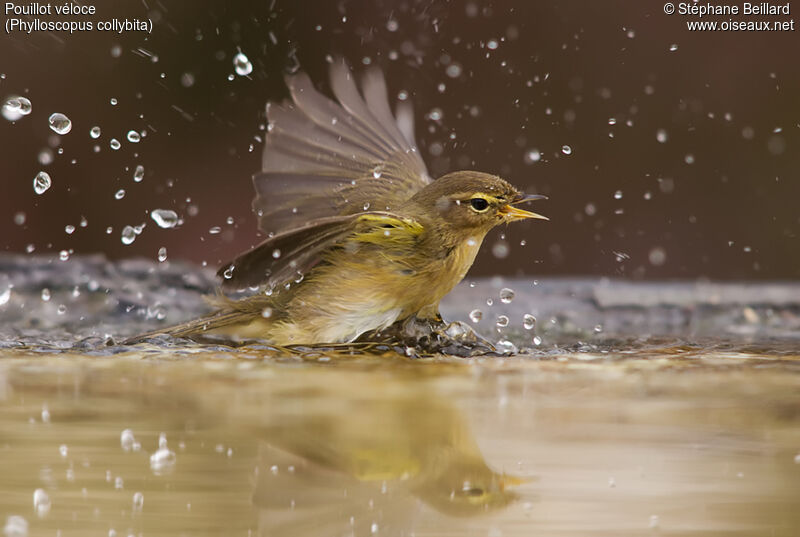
(473, 202)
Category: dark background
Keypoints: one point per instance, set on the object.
(561, 70)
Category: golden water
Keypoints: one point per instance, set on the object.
(665, 440)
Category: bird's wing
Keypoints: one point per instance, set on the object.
(324, 158)
(288, 256)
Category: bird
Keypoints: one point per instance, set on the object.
(358, 234)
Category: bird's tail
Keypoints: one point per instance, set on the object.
(213, 321)
(228, 312)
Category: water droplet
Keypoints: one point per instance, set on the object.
(506, 295)
(127, 440)
(41, 503)
(276, 253)
(45, 156)
(41, 182)
(266, 313)
(63, 450)
(689, 159)
(567, 150)
(489, 301)
(95, 132)
(475, 316)
(163, 460)
(657, 256)
(454, 70)
(20, 105)
(113, 101)
(138, 501)
(63, 255)
(502, 321)
(5, 296)
(533, 155)
(128, 235)
(492, 44)
(45, 294)
(16, 526)
(118, 483)
(500, 249)
(138, 174)
(612, 121)
(661, 136)
(162, 254)
(114, 143)
(598, 328)
(242, 64)
(187, 80)
(392, 25)
(673, 47)
(119, 194)
(165, 218)
(537, 340)
(366, 206)
(60, 123)
(528, 321)
(215, 230)
(134, 136)
(506, 347)
(12, 109)
(435, 114)
(618, 195)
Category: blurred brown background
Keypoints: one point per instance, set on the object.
(683, 163)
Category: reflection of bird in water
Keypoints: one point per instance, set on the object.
(370, 453)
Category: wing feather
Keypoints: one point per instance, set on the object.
(289, 255)
(324, 158)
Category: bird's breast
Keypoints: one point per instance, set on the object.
(462, 256)
(444, 273)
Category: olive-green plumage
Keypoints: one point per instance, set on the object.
(359, 236)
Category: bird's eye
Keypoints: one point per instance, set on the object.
(479, 204)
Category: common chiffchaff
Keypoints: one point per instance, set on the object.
(358, 234)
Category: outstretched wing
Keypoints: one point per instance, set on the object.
(324, 158)
(289, 255)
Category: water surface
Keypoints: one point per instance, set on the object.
(686, 424)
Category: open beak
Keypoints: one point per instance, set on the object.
(512, 213)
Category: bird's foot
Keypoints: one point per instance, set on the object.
(434, 336)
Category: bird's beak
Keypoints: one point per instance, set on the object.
(512, 213)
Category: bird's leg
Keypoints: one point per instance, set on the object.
(430, 334)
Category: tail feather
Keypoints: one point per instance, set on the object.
(212, 321)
